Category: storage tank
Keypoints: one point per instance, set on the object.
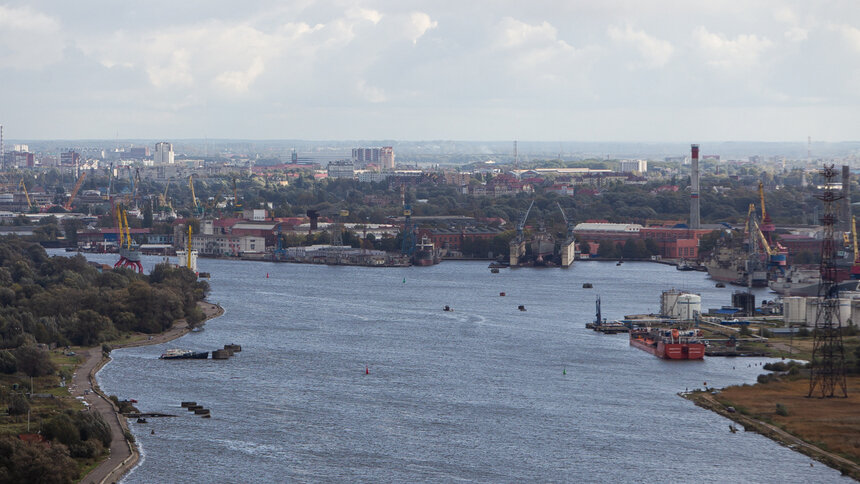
(843, 311)
(669, 303)
(689, 306)
(794, 310)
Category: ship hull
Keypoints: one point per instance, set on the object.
(670, 351)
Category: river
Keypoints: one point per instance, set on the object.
(485, 393)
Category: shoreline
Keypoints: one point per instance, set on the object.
(123, 454)
(704, 400)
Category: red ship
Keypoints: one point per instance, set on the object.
(670, 344)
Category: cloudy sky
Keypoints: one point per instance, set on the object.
(443, 69)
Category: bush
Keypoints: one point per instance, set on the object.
(28, 462)
(781, 410)
(8, 362)
(803, 332)
(63, 429)
(18, 404)
(34, 361)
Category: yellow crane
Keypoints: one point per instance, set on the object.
(854, 237)
(191, 184)
(855, 267)
(121, 239)
(26, 195)
(188, 253)
(761, 196)
(68, 205)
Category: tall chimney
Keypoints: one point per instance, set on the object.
(845, 217)
(694, 188)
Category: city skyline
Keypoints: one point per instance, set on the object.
(328, 70)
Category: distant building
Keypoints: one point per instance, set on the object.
(386, 158)
(163, 154)
(341, 169)
(70, 158)
(139, 152)
(383, 157)
(634, 166)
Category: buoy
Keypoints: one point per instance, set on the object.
(564, 372)
(366, 370)
(267, 275)
(501, 294)
(152, 432)
(404, 280)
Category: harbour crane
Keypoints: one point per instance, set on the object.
(522, 225)
(776, 259)
(855, 266)
(129, 255)
(26, 195)
(567, 222)
(197, 207)
(68, 205)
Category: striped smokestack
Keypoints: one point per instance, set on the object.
(694, 188)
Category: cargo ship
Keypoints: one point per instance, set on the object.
(426, 253)
(177, 354)
(670, 344)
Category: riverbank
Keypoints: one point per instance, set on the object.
(824, 429)
(123, 453)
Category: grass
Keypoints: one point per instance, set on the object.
(830, 423)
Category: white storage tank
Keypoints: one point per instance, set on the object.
(794, 310)
(843, 311)
(669, 303)
(689, 305)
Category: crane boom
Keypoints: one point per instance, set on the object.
(191, 184)
(26, 195)
(68, 205)
(854, 236)
(522, 225)
(761, 196)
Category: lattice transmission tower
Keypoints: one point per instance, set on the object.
(827, 376)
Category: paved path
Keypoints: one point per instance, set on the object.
(123, 454)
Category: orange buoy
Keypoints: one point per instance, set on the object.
(501, 294)
(366, 370)
(267, 275)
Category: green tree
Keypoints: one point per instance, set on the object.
(34, 361)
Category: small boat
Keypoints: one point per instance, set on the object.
(494, 270)
(447, 308)
(587, 285)
(141, 420)
(619, 262)
(177, 354)
(719, 284)
(683, 265)
(521, 307)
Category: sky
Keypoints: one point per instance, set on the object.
(542, 70)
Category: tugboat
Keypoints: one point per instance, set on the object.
(177, 354)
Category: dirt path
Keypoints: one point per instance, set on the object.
(773, 432)
(123, 454)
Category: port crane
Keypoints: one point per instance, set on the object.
(518, 244)
(198, 208)
(775, 258)
(26, 195)
(129, 255)
(855, 267)
(68, 205)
